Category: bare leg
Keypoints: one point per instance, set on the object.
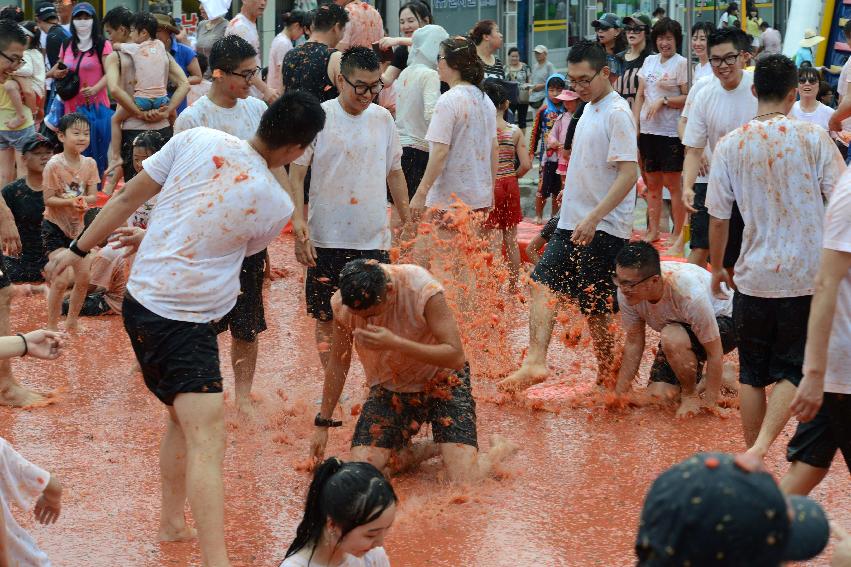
(78, 294)
(776, 417)
(752, 404)
(464, 463)
(555, 206)
(410, 457)
(677, 346)
(118, 119)
(604, 343)
(201, 417)
(173, 483)
(243, 356)
(12, 393)
(654, 205)
(323, 332)
(673, 181)
(13, 91)
(55, 295)
(801, 478)
(541, 320)
(509, 237)
(376, 456)
(539, 209)
(7, 165)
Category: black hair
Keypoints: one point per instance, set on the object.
(764, 25)
(557, 82)
(481, 29)
(35, 39)
(150, 140)
(705, 26)
(659, 11)
(590, 51)
(118, 17)
(327, 16)
(71, 119)
(732, 7)
(512, 50)
(775, 75)
(294, 17)
(807, 71)
(641, 256)
(350, 494)
(12, 12)
(203, 62)
(495, 92)
(98, 39)
(846, 29)
(667, 25)
(732, 35)
(420, 10)
(11, 32)
(295, 118)
(145, 21)
(571, 127)
(825, 89)
(362, 283)
(229, 52)
(460, 54)
(359, 57)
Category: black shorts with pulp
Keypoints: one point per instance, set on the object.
(661, 370)
(94, 304)
(5, 281)
(661, 153)
(550, 182)
(247, 319)
(324, 278)
(699, 221)
(53, 237)
(816, 441)
(389, 419)
(414, 162)
(583, 273)
(771, 334)
(24, 270)
(176, 357)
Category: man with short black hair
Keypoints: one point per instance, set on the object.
(314, 65)
(244, 25)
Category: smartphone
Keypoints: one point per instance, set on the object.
(384, 55)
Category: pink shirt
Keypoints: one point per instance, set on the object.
(150, 62)
(556, 136)
(365, 26)
(90, 71)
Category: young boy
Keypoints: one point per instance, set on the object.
(549, 182)
(70, 187)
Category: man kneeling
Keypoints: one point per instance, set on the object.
(675, 299)
(408, 342)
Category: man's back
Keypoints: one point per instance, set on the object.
(305, 68)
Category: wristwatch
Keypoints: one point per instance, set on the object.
(665, 101)
(322, 422)
(76, 249)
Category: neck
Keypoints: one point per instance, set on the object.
(703, 59)
(220, 98)
(258, 146)
(350, 111)
(769, 110)
(71, 156)
(658, 292)
(604, 93)
(809, 103)
(320, 37)
(663, 57)
(484, 50)
(34, 180)
(325, 554)
(248, 14)
(637, 48)
(454, 82)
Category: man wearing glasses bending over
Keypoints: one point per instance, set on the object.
(353, 161)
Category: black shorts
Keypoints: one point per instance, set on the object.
(389, 419)
(549, 184)
(324, 279)
(661, 370)
(661, 153)
(414, 164)
(5, 281)
(127, 137)
(53, 237)
(176, 357)
(93, 305)
(771, 334)
(583, 273)
(699, 221)
(24, 270)
(520, 111)
(247, 319)
(815, 442)
(734, 238)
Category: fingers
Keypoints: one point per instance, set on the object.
(838, 531)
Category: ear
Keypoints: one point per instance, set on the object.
(753, 91)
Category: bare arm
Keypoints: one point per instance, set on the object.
(177, 77)
(532, 248)
(633, 350)
(841, 113)
(113, 81)
(390, 75)
(339, 361)
(9, 236)
(436, 162)
(305, 253)
(638, 104)
(195, 76)
(718, 234)
(399, 190)
(522, 153)
(691, 167)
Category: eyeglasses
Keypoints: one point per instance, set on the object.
(810, 80)
(14, 60)
(584, 83)
(630, 285)
(635, 29)
(247, 75)
(361, 90)
(726, 60)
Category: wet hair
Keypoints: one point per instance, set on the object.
(480, 30)
(145, 21)
(118, 17)
(731, 35)
(704, 26)
(460, 54)
(495, 92)
(35, 38)
(420, 10)
(590, 51)
(350, 494)
(229, 52)
(359, 57)
(667, 25)
(775, 75)
(72, 119)
(295, 118)
(150, 140)
(641, 256)
(327, 16)
(362, 283)
(294, 17)
(11, 32)
(807, 71)
(203, 62)
(13, 13)
(764, 26)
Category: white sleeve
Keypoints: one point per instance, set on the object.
(21, 481)
(701, 317)
(623, 141)
(695, 133)
(431, 92)
(630, 319)
(159, 165)
(394, 146)
(442, 121)
(719, 194)
(185, 121)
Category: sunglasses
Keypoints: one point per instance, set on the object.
(808, 80)
(635, 29)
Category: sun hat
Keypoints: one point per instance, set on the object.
(811, 38)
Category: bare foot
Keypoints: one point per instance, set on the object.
(690, 406)
(524, 377)
(501, 448)
(539, 220)
(676, 249)
(729, 378)
(245, 408)
(72, 325)
(651, 237)
(27, 290)
(15, 122)
(177, 534)
(754, 453)
(17, 396)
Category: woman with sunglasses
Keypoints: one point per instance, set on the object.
(808, 108)
(632, 58)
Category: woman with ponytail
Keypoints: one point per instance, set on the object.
(349, 509)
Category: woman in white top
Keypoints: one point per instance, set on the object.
(294, 25)
(349, 509)
(662, 90)
(808, 108)
(699, 35)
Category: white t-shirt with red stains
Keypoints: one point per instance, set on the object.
(376, 557)
(219, 203)
(662, 80)
(780, 172)
(21, 484)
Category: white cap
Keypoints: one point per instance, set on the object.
(540, 49)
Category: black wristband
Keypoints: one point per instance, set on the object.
(322, 422)
(26, 346)
(76, 249)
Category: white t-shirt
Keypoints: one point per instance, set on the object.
(779, 172)
(687, 299)
(662, 80)
(701, 70)
(417, 92)
(692, 93)
(716, 111)
(247, 30)
(465, 119)
(281, 45)
(837, 236)
(842, 88)
(219, 203)
(820, 116)
(21, 484)
(350, 160)
(605, 135)
(241, 121)
(376, 557)
(771, 41)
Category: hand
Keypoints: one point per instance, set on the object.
(842, 551)
(688, 199)
(317, 444)
(376, 338)
(305, 251)
(417, 206)
(719, 276)
(155, 115)
(655, 107)
(583, 234)
(88, 92)
(49, 504)
(833, 124)
(80, 204)
(386, 43)
(703, 170)
(11, 240)
(59, 263)
(127, 237)
(270, 96)
(623, 386)
(43, 344)
(58, 73)
(808, 398)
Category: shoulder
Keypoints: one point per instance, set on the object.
(381, 114)
(254, 103)
(376, 557)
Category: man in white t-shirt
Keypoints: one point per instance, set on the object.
(244, 25)
(841, 119)
(674, 299)
(719, 106)
(595, 220)
(823, 403)
(217, 202)
(769, 40)
(353, 161)
(780, 172)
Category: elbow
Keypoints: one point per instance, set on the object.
(459, 361)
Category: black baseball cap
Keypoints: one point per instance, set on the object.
(607, 21)
(34, 141)
(715, 509)
(46, 11)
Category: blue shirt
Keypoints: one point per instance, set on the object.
(804, 54)
(183, 55)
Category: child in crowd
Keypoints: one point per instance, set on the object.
(27, 84)
(70, 187)
(202, 88)
(533, 249)
(145, 145)
(549, 183)
(349, 509)
(557, 135)
(506, 213)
